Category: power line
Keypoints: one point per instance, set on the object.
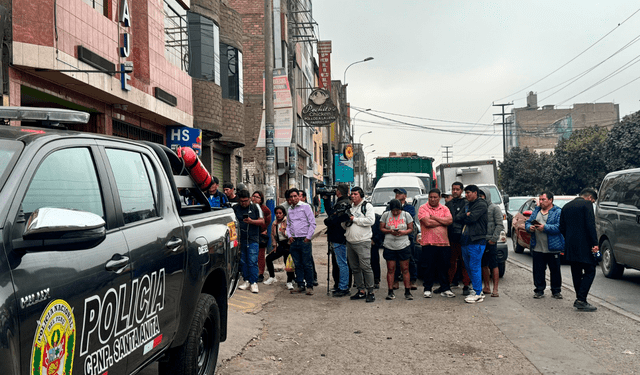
(422, 118)
(568, 62)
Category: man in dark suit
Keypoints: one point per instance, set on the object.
(577, 224)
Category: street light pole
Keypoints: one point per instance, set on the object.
(353, 127)
(344, 81)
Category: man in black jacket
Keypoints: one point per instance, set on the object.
(473, 239)
(578, 226)
(336, 215)
(455, 205)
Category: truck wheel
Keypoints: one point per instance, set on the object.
(199, 353)
(610, 268)
(516, 247)
(501, 269)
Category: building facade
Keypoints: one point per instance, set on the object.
(540, 129)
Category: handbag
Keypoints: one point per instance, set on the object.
(289, 266)
(264, 240)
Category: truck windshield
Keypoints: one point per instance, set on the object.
(9, 152)
(381, 196)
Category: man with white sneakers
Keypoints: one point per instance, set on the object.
(250, 217)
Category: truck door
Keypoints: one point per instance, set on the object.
(69, 300)
(154, 234)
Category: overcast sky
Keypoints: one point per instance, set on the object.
(450, 60)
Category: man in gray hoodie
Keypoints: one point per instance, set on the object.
(490, 256)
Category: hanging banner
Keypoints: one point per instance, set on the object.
(343, 168)
(283, 111)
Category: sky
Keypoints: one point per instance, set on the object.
(442, 64)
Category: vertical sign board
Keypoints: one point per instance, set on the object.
(184, 136)
(343, 168)
(324, 52)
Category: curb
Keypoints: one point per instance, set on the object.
(599, 300)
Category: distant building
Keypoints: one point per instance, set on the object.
(540, 129)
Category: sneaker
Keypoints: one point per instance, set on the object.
(390, 296)
(341, 293)
(309, 291)
(408, 296)
(290, 286)
(538, 295)
(244, 286)
(557, 295)
(584, 306)
(428, 294)
(270, 281)
(371, 297)
(260, 278)
(299, 289)
(359, 295)
(254, 288)
(315, 282)
(376, 286)
(475, 298)
(414, 286)
(447, 293)
(465, 290)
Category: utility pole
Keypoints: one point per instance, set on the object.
(503, 123)
(268, 97)
(293, 147)
(446, 154)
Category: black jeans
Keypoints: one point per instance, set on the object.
(281, 251)
(582, 275)
(435, 262)
(540, 263)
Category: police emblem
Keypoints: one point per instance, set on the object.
(54, 341)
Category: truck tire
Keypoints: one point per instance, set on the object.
(199, 353)
(516, 246)
(501, 269)
(610, 268)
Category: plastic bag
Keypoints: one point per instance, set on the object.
(289, 266)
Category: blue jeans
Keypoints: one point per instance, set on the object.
(249, 261)
(340, 250)
(301, 254)
(472, 256)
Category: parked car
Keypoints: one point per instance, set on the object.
(503, 250)
(512, 208)
(520, 237)
(617, 213)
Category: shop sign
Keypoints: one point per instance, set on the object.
(125, 21)
(320, 111)
(184, 136)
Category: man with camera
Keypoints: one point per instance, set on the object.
(358, 234)
(250, 217)
(336, 215)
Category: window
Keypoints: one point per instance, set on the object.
(124, 130)
(134, 185)
(99, 5)
(231, 72)
(176, 40)
(65, 179)
(204, 48)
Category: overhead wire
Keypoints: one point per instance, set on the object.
(571, 60)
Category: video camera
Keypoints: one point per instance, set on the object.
(326, 190)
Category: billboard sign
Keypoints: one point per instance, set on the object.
(320, 111)
(343, 168)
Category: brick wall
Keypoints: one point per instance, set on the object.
(207, 105)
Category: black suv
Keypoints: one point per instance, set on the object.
(618, 222)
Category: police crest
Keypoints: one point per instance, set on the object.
(54, 341)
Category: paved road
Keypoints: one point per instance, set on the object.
(622, 293)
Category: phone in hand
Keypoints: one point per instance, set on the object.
(535, 222)
(245, 216)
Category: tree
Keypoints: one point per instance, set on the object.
(579, 161)
(519, 173)
(622, 146)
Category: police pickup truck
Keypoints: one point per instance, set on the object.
(103, 268)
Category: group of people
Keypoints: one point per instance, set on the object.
(457, 238)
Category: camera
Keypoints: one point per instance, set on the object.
(326, 190)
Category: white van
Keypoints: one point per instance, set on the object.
(383, 192)
(497, 199)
